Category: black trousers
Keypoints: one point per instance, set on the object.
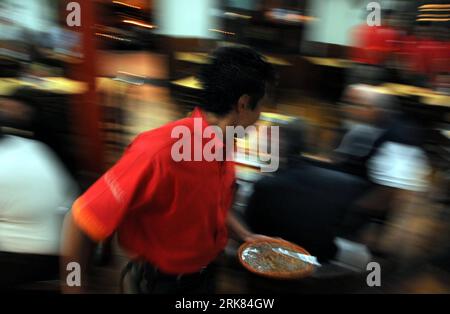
(147, 279)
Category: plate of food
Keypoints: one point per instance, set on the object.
(276, 258)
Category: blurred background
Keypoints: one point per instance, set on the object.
(84, 92)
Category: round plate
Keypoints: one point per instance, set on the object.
(275, 259)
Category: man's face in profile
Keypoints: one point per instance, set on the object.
(250, 116)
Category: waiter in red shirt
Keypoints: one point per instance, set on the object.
(172, 216)
(373, 45)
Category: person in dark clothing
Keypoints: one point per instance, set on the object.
(302, 203)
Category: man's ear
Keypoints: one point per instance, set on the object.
(243, 103)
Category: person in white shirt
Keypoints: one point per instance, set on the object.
(35, 193)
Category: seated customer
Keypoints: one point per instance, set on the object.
(383, 146)
(302, 203)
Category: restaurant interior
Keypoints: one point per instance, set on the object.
(132, 65)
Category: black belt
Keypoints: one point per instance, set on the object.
(152, 272)
(149, 272)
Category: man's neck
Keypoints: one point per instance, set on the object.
(220, 121)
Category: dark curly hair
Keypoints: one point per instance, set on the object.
(232, 72)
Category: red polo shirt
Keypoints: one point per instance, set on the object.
(172, 214)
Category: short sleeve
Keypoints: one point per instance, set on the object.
(400, 166)
(100, 210)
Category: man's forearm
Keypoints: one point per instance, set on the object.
(77, 248)
(238, 231)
